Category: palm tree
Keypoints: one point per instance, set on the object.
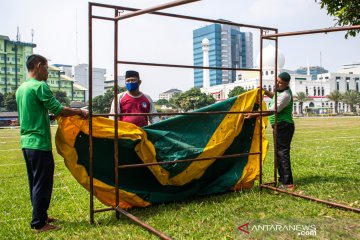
(336, 97)
(301, 97)
(352, 98)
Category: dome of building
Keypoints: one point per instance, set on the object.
(269, 58)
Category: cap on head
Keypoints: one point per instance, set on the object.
(132, 73)
(285, 77)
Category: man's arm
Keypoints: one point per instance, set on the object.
(67, 112)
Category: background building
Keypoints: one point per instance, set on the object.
(317, 90)
(314, 71)
(169, 93)
(82, 77)
(228, 47)
(109, 82)
(13, 56)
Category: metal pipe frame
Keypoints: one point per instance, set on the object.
(275, 37)
(153, 10)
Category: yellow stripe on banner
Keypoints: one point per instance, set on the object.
(252, 168)
(65, 139)
(222, 138)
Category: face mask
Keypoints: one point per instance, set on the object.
(132, 86)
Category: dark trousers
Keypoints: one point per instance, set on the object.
(285, 132)
(40, 169)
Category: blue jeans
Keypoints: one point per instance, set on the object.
(285, 132)
(40, 169)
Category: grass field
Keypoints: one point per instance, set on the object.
(326, 165)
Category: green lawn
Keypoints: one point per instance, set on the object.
(326, 165)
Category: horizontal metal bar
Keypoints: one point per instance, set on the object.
(143, 224)
(185, 113)
(156, 8)
(187, 17)
(332, 204)
(186, 66)
(103, 210)
(323, 30)
(103, 18)
(188, 160)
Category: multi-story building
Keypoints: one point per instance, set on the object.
(312, 70)
(109, 82)
(228, 47)
(98, 80)
(13, 56)
(169, 93)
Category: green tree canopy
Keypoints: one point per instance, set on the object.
(191, 100)
(236, 91)
(102, 103)
(161, 102)
(336, 97)
(10, 102)
(62, 98)
(352, 98)
(346, 12)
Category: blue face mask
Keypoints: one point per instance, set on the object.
(132, 86)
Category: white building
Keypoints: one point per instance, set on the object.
(98, 83)
(317, 90)
(169, 93)
(109, 82)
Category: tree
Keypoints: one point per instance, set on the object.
(352, 98)
(1, 99)
(62, 98)
(102, 103)
(192, 99)
(301, 97)
(236, 91)
(336, 97)
(162, 102)
(10, 102)
(345, 13)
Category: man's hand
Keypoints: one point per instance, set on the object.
(84, 113)
(250, 115)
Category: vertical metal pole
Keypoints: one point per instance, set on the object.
(276, 112)
(91, 163)
(261, 83)
(116, 154)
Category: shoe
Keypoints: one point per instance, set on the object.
(50, 220)
(47, 227)
(289, 187)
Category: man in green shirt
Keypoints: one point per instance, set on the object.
(34, 101)
(285, 128)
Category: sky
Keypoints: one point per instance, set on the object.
(61, 34)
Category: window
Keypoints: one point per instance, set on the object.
(357, 85)
(347, 84)
(319, 94)
(307, 90)
(337, 78)
(314, 91)
(264, 87)
(337, 85)
(270, 88)
(322, 91)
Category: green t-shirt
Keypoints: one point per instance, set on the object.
(34, 99)
(285, 115)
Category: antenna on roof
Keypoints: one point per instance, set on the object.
(17, 34)
(32, 35)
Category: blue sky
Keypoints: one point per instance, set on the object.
(159, 39)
